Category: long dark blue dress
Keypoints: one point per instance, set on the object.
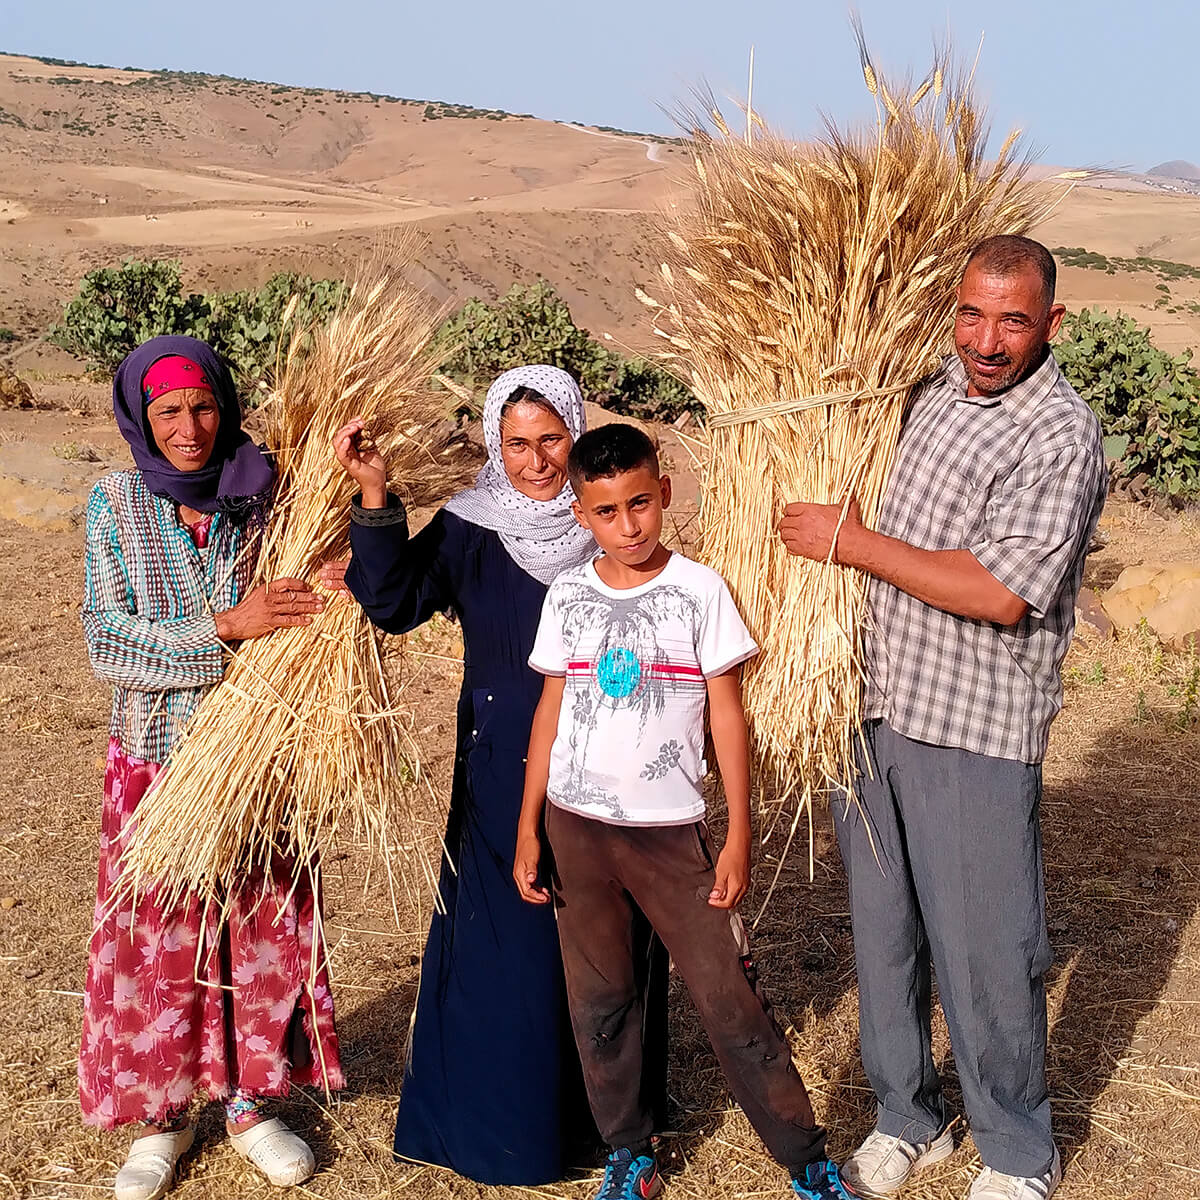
(492, 1088)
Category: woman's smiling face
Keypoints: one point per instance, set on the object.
(534, 444)
(184, 424)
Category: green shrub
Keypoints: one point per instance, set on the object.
(247, 327)
(530, 324)
(1076, 256)
(118, 308)
(641, 388)
(1148, 402)
(533, 324)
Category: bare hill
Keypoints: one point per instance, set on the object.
(239, 179)
(1176, 169)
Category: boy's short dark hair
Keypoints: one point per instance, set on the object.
(610, 450)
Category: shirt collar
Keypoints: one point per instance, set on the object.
(170, 516)
(1020, 401)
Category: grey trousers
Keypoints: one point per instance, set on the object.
(958, 882)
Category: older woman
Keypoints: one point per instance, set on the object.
(173, 1004)
(492, 1086)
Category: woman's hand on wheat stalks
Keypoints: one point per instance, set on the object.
(353, 448)
(276, 605)
(333, 575)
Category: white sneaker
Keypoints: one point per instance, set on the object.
(149, 1169)
(883, 1163)
(992, 1185)
(282, 1156)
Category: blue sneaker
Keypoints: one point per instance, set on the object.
(822, 1181)
(629, 1177)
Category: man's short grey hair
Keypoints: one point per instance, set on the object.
(1007, 254)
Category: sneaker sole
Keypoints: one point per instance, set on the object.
(938, 1150)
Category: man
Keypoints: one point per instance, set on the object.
(976, 563)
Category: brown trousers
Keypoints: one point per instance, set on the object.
(600, 872)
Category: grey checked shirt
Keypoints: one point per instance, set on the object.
(1019, 480)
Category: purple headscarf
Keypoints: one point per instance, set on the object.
(237, 478)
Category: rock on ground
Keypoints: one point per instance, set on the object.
(14, 392)
(42, 490)
(1165, 595)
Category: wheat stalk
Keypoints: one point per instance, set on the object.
(804, 292)
(303, 741)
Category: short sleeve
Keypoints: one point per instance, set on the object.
(549, 654)
(724, 639)
(1038, 523)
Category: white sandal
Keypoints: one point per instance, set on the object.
(149, 1170)
(282, 1156)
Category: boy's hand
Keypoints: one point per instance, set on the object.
(525, 869)
(733, 876)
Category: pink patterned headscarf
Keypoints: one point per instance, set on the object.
(173, 374)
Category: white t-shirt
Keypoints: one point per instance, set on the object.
(630, 743)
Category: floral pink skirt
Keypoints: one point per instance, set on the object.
(174, 1006)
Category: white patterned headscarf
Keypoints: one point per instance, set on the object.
(541, 536)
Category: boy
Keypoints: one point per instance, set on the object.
(635, 642)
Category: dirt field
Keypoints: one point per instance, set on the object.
(1122, 846)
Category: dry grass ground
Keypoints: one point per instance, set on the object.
(1122, 848)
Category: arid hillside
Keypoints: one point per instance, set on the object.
(239, 179)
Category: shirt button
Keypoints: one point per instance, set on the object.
(474, 732)
(489, 699)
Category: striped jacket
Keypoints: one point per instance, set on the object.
(149, 599)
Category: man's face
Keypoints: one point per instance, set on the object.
(1002, 324)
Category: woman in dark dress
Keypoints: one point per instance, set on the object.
(492, 1087)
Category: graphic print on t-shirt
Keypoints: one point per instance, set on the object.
(630, 669)
(618, 672)
(629, 746)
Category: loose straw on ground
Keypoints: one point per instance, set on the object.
(303, 740)
(806, 291)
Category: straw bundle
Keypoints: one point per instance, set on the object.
(302, 737)
(807, 289)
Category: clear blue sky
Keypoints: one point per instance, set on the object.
(1095, 82)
